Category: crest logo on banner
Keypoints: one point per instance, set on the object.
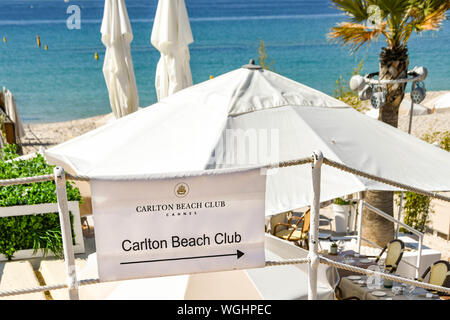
(181, 190)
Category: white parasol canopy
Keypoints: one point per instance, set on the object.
(405, 109)
(442, 104)
(171, 35)
(118, 66)
(187, 131)
(13, 114)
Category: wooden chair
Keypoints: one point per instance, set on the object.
(394, 253)
(296, 232)
(277, 218)
(439, 274)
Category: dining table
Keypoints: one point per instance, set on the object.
(358, 287)
(350, 257)
(355, 285)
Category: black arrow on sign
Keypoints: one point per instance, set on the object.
(238, 254)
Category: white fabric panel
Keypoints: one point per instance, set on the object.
(294, 278)
(12, 113)
(118, 67)
(418, 109)
(171, 35)
(442, 103)
(129, 213)
(262, 89)
(170, 148)
(405, 109)
(171, 26)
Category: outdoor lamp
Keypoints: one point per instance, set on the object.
(357, 83)
(378, 98)
(420, 72)
(418, 92)
(375, 90)
(366, 92)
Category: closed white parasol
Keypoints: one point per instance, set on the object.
(118, 66)
(171, 35)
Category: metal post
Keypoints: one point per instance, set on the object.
(419, 257)
(399, 216)
(66, 232)
(314, 226)
(360, 218)
(409, 132)
(411, 111)
(419, 254)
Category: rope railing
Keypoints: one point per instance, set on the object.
(323, 260)
(280, 164)
(42, 178)
(15, 292)
(45, 288)
(330, 163)
(363, 174)
(76, 177)
(287, 262)
(291, 163)
(415, 75)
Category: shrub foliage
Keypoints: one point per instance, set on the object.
(41, 231)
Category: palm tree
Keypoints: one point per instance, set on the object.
(395, 20)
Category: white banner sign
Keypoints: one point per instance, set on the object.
(156, 227)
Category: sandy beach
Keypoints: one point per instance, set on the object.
(50, 134)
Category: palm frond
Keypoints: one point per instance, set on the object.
(355, 34)
(405, 33)
(393, 8)
(355, 9)
(396, 20)
(433, 18)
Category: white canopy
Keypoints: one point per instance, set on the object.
(442, 103)
(188, 131)
(418, 109)
(405, 109)
(171, 35)
(118, 67)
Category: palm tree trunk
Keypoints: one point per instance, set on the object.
(393, 65)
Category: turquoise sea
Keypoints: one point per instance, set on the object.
(65, 82)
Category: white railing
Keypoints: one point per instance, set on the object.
(43, 208)
(64, 219)
(420, 235)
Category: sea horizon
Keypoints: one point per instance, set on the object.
(65, 82)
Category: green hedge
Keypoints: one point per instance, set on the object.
(342, 202)
(41, 231)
